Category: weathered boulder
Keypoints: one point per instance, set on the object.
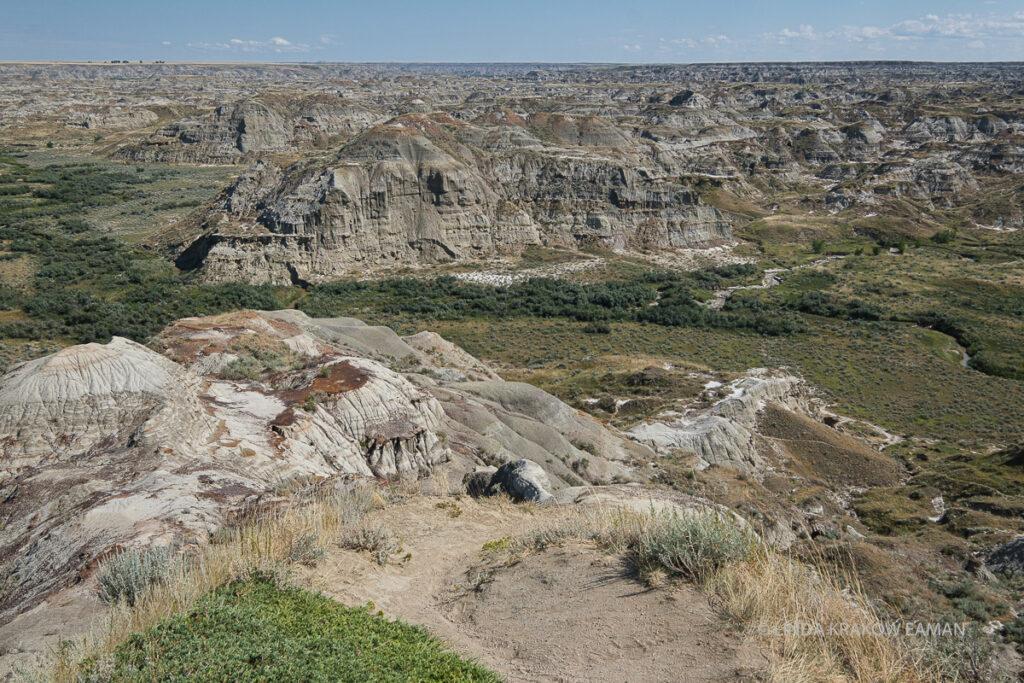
(522, 480)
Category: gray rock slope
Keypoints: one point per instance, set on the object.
(119, 445)
(419, 189)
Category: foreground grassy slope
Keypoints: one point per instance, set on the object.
(256, 630)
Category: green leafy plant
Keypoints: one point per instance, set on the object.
(258, 630)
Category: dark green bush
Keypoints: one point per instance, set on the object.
(256, 630)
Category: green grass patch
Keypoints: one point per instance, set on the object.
(258, 630)
(80, 283)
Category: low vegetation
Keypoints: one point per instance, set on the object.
(694, 545)
(143, 599)
(130, 574)
(256, 629)
(78, 283)
(373, 539)
(665, 298)
(760, 590)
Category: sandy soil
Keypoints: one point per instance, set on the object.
(567, 614)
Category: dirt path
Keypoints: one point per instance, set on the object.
(770, 279)
(567, 614)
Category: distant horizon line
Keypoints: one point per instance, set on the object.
(145, 62)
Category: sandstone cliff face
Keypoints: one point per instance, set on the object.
(119, 445)
(112, 118)
(411, 192)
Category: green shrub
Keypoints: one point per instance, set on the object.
(241, 368)
(584, 446)
(88, 286)
(654, 297)
(693, 545)
(256, 630)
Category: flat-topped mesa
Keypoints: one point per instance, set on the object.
(240, 131)
(417, 190)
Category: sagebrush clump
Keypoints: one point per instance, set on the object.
(127, 575)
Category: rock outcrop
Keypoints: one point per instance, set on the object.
(368, 166)
(1008, 558)
(238, 132)
(522, 480)
(113, 118)
(411, 191)
(119, 445)
(724, 433)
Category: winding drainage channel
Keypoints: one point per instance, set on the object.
(771, 279)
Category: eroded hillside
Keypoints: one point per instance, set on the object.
(786, 299)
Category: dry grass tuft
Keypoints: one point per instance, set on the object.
(772, 590)
(756, 587)
(295, 533)
(374, 539)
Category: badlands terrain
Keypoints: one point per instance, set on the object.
(592, 372)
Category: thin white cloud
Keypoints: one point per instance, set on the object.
(166, 42)
(275, 44)
(715, 41)
(930, 35)
(932, 26)
(803, 32)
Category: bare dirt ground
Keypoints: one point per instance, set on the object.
(571, 613)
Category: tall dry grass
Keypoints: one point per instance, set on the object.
(267, 542)
(759, 589)
(748, 582)
(772, 590)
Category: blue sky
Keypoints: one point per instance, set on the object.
(524, 31)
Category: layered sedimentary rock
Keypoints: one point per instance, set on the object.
(119, 445)
(238, 131)
(412, 192)
(368, 166)
(724, 433)
(472, 168)
(113, 118)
